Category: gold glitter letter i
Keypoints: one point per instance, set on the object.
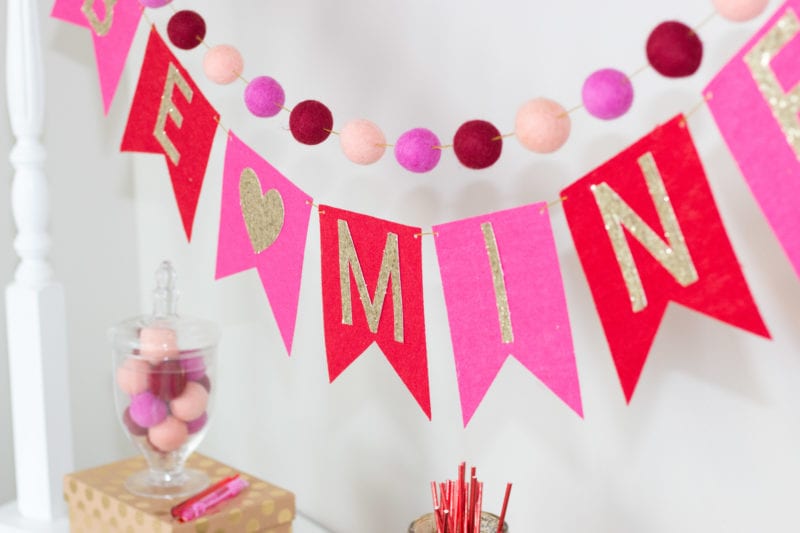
(167, 108)
(390, 267)
(784, 106)
(673, 255)
(100, 27)
(500, 295)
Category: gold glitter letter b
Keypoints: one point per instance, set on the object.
(390, 267)
(167, 108)
(673, 255)
(100, 27)
(784, 105)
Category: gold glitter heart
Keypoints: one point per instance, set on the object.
(263, 214)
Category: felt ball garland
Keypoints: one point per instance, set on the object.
(541, 125)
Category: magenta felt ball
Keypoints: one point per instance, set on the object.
(415, 151)
(310, 122)
(147, 410)
(195, 367)
(542, 125)
(264, 97)
(362, 141)
(223, 64)
(477, 144)
(740, 10)
(674, 49)
(154, 3)
(197, 424)
(607, 94)
(186, 29)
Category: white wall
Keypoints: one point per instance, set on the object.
(92, 225)
(709, 440)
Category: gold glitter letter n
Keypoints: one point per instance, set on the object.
(673, 255)
(167, 108)
(100, 27)
(390, 268)
(784, 105)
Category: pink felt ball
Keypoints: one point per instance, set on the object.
(191, 404)
(264, 97)
(542, 125)
(740, 10)
(607, 94)
(154, 3)
(223, 64)
(362, 141)
(169, 435)
(197, 424)
(477, 144)
(186, 29)
(674, 50)
(132, 376)
(310, 122)
(195, 367)
(147, 410)
(416, 150)
(157, 343)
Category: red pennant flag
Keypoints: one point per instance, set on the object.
(647, 231)
(170, 116)
(372, 291)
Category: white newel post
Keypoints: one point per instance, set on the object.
(34, 301)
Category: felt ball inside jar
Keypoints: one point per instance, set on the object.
(132, 376)
(147, 410)
(169, 435)
(132, 427)
(157, 343)
(264, 97)
(197, 424)
(418, 150)
(542, 125)
(195, 367)
(223, 64)
(362, 141)
(205, 381)
(167, 379)
(191, 404)
(607, 94)
(740, 10)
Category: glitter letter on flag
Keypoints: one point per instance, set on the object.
(504, 296)
(113, 25)
(647, 231)
(263, 224)
(170, 116)
(755, 101)
(372, 291)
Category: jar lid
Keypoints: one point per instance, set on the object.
(164, 334)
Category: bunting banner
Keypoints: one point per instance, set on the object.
(372, 292)
(263, 223)
(113, 25)
(504, 296)
(755, 101)
(170, 116)
(647, 231)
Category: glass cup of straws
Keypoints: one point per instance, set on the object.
(163, 372)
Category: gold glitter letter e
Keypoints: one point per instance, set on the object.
(167, 108)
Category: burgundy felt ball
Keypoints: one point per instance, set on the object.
(674, 49)
(607, 94)
(186, 29)
(154, 3)
(264, 97)
(310, 122)
(740, 10)
(167, 379)
(134, 428)
(205, 381)
(477, 144)
(415, 150)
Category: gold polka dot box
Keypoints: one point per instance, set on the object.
(99, 503)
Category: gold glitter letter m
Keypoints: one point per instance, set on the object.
(673, 255)
(167, 108)
(784, 105)
(390, 267)
(100, 27)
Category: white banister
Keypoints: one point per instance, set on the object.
(35, 312)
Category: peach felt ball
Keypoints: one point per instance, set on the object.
(740, 10)
(132, 376)
(223, 64)
(542, 125)
(169, 435)
(191, 404)
(362, 141)
(157, 344)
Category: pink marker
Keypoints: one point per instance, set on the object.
(200, 507)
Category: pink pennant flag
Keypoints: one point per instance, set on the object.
(505, 297)
(113, 25)
(754, 102)
(263, 224)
